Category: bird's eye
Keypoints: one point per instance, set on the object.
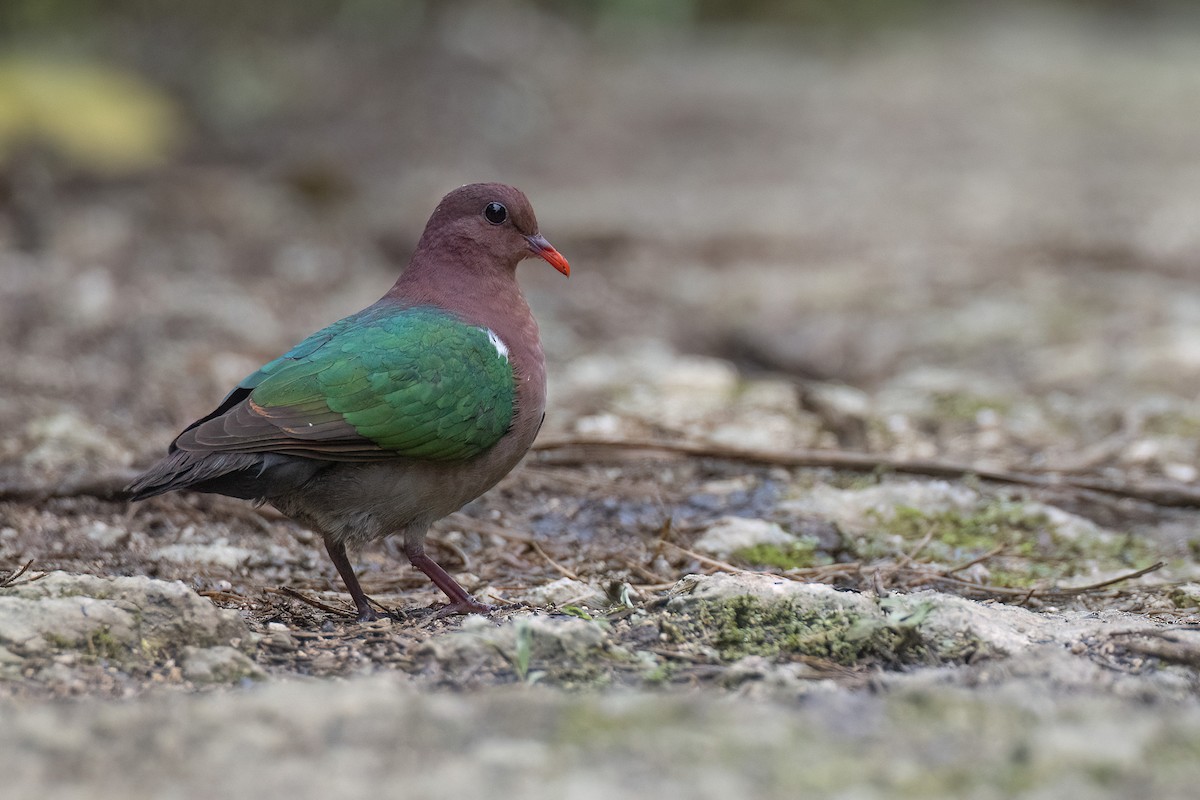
(495, 213)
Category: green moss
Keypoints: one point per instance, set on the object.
(948, 406)
(794, 555)
(98, 644)
(742, 626)
(659, 674)
(59, 642)
(102, 644)
(1186, 596)
(1172, 423)
(1028, 549)
(890, 634)
(960, 532)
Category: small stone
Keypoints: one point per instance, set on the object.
(858, 510)
(219, 664)
(730, 534)
(104, 535)
(1184, 473)
(547, 638)
(67, 440)
(566, 592)
(217, 555)
(599, 425)
(282, 640)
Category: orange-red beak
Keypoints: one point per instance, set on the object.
(539, 245)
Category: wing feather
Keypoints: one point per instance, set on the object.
(384, 383)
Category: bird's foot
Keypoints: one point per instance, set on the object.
(468, 606)
(369, 614)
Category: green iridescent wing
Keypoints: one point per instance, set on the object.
(385, 382)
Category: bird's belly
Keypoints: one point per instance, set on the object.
(357, 503)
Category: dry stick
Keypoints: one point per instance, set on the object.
(908, 557)
(995, 551)
(1092, 587)
(643, 571)
(11, 578)
(284, 590)
(566, 572)
(1163, 493)
(1156, 631)
(1007, 591)
(654, 587)
(821, 574)
(228, 597)
(712, 562)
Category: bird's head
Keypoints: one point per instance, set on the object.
(495, 218)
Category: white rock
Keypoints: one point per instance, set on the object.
(1069, 526)
(1176, 471)
(218, 555)
(548, 637)
(68, 440)
(566, 591)
(62, 612)
(599, 425)
(105, 535)
(220, 664)
(730, 534)
(947, 624)
(856, 510)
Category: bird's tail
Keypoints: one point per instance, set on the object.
(182, 469)
(251, 476)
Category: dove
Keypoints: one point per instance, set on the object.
(398, 415)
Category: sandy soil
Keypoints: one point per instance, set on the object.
(972, 245)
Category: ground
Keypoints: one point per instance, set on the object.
(872, 432)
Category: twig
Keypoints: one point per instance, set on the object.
(645, 573)
(12, 578)
(822, 574)
(292, 593)
(563, 570)
(712, 562)
(227, 597)
(1162, 493)
(1156, 631)
(995, 551)
(1092, 587)
(908, 557)
(654, 587)
(1051, 591)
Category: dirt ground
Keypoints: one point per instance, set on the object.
(912, 317)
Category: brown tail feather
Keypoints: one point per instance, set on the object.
(246, 475)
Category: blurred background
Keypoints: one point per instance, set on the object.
(922, 227)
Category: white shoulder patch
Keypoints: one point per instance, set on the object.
(498, 343)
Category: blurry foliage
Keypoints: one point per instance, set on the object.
(20, 18)
(374, 17)
(94, 118)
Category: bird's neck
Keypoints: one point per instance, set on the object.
(480, 295)
(469, 284)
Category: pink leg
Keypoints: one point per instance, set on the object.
(461, 601)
